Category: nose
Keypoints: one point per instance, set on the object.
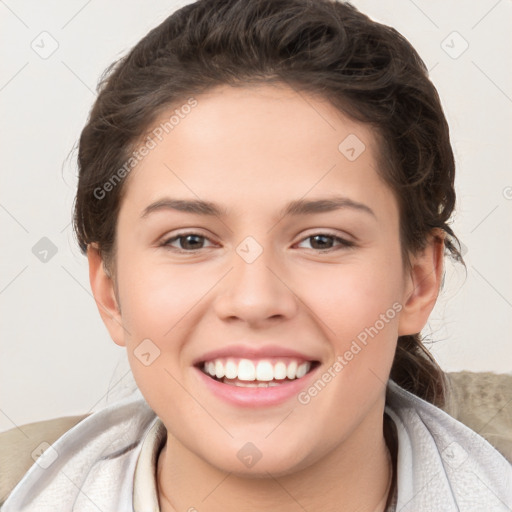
(256, 292)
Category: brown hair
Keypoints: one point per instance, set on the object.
(365, 69)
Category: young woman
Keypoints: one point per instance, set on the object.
(264, 200)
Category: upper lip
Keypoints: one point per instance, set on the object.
(252, 352)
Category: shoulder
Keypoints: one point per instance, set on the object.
(84, 455)
(21, 446)
(483, 402)
(442, 462)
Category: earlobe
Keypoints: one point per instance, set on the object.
(102, 286)
(422, 285)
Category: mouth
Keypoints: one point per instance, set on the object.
(257, 373)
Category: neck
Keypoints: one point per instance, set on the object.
(354, 476)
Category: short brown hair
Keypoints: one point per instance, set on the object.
(365, 69)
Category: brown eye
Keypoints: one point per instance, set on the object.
(325, 242)
(188, 242)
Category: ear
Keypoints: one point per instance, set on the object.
(423, 283)
(103, 289)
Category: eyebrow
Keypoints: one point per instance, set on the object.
(293, 208)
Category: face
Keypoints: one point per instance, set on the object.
(288, 287)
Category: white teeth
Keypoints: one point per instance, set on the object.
(245, 384)
(231, 369)
(291, 372)
(280, 371)
(246, 370)
(302, 370)
(252, 384)
(263, 371)
(219, 369)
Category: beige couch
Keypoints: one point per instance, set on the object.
(482, 401)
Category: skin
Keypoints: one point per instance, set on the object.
(252, 150)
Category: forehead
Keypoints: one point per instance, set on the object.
(269, 143)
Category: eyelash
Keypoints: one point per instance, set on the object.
(344, 244)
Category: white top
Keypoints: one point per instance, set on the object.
(108, 461)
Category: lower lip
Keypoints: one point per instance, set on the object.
(253, 396)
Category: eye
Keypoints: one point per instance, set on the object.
(189, 242)
(324, 242)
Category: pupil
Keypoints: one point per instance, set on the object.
(322, 237)
(187, 238)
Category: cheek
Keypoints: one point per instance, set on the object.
(352, 297)
(156, 297)
(343, 298)
(156, 302)
(162, 303)
(358, 305)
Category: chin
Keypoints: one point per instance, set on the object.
(249, 461)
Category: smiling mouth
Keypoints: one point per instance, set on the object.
(261, 373)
